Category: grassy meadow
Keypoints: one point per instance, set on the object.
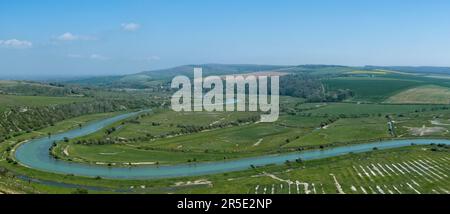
(318, 127)
(415, 104)
(8, 101)
(429, 94)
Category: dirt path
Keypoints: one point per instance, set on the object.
(259, 142)
(425, 130)
(276, 178)
(438, 123)
(338, 186)
(66, 151)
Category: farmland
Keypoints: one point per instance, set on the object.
(413, 170)
(374, 89)
(417, 170)
(426, 94)
(378, 105)
(7, 101)
(322, 126)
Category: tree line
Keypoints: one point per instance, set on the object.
(19, 120)
(310, 88)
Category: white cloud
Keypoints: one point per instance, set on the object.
(67, 37)
(153, 58)
(72, 37)
(91, 57)
(97, 57)
(130, 26)
(15, 43)
(74, 56)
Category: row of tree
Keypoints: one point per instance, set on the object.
(310, 88)
(19, 120)
(184, 129)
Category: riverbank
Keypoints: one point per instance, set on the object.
(34, 154)
(312, 172)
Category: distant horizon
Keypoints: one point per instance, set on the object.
(66, 77)
(114, 37)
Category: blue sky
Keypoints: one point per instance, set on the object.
(89, 37)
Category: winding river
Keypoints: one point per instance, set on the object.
(35, 154)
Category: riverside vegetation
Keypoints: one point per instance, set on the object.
(321, 107)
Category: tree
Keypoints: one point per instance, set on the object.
(80, 191)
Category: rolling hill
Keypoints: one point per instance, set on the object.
(427, 94)
(148, 79)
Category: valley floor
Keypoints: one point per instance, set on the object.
(412, 170)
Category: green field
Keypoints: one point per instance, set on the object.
(352, 109)
(345, 131)
(57, 128)
(323, 126)
(413, 104)
(413, 170)
(429, 94)
(375, 89)
(7, 101)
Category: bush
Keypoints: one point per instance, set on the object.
(80, 191)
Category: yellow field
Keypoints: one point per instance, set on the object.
(379, 72)
(368, 72)
(429, 94)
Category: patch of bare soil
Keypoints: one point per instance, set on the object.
(423, 131)
(194, 183)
